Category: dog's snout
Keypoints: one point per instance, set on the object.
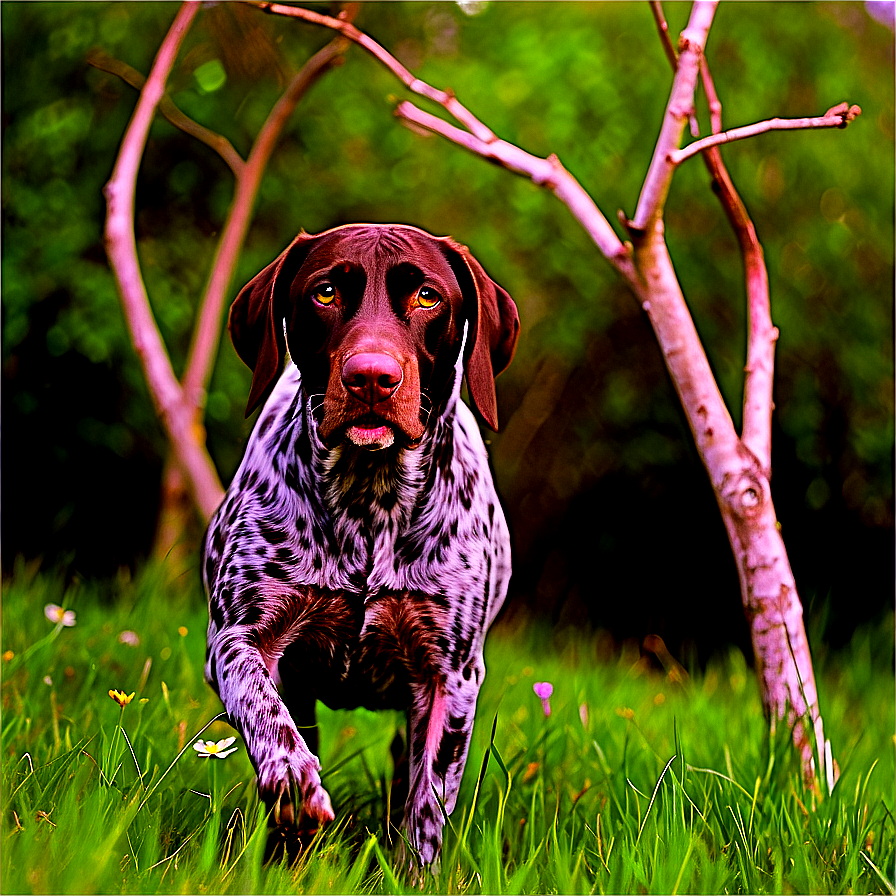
(371, 376)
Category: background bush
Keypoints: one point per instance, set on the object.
(609, 506)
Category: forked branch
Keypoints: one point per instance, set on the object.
(220, 144)
(679, 110)
(121, 247)
(838, 116)
(179, 407)
(738, 467)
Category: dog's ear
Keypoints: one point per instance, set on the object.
(256, 319)
(494, 330)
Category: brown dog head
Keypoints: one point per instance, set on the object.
(374, 317)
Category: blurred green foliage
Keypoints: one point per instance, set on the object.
(594, 457)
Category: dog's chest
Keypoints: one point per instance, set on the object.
(398, 640)
(403, 567)
(425, 520)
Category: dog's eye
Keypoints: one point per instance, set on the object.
(324, 295)
(426, 298)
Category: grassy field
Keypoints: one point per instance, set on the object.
(640, 779)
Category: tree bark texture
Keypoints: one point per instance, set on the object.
(180, 405)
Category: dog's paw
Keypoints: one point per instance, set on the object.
(278, 772)
(421, 842)
(316, 804)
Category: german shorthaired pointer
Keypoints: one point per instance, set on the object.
(360, 553)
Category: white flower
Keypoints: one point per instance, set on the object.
(218, 750)
(58, 615)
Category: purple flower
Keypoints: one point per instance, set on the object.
(543, 690)
(59, 616)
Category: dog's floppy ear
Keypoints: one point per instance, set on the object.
(256, 319)
(494, 330)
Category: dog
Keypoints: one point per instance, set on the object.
(360, 553)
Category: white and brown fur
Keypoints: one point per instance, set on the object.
(361, 554)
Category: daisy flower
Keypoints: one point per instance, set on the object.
(211, 748)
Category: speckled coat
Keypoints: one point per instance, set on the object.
(359, 577)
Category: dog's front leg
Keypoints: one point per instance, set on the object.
(441, 722)
(238, 671)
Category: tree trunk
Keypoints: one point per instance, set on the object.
(178, 529)
(741, 486)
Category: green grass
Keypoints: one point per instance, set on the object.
(669, 784)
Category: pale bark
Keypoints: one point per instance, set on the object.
(179, 405)
(738, 467)
(778, 635)
(836, 117)
(121, 247)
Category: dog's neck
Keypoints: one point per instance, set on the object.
(376, 491)
(367, 492)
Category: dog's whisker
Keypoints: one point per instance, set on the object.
(313, 407)
(425, 408)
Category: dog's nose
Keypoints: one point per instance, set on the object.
(371, 376)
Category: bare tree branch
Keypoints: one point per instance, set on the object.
(415, 85)
(220, 144)
(662, 26)
(837, 117)
(180, 406)
(206, 334)
(547, 172)
(476, 137)
(678, 111)
(121, 248)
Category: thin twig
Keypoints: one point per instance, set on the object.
(220, 144)
(837, 117)
(712, 98)
(666, 41)
(206, 334)
(415, 85)
(660, 20)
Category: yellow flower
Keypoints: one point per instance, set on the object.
(121, 698)
(218, 750)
